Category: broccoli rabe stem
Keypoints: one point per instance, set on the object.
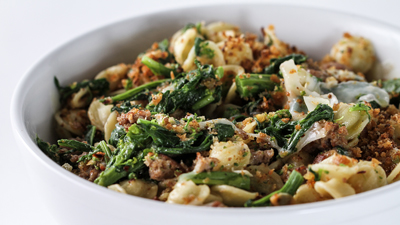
(218, 178)
(250, 85)
(203, 102)
(156, 67)
(133, 92)
(290, 187)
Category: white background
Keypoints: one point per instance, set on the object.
(30, 29)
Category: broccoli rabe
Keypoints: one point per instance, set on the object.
(50, 150)
(287, 134)
(224, 131)
(167, 142)
(191, 91)
(96, 87)
(90, 134)
(218, 178)
(250, 85)
(273, 68)
(201, 49)
(135, 91)
(127, 158)
(292, 184)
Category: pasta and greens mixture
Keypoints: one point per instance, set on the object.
(215, 117)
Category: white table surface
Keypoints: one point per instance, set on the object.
(30, 29)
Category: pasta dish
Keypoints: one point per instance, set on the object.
(217, 117)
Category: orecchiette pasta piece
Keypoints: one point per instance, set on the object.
(109, 126)
(369, 176)
(230, 154)
(183, 44)
(334, 188)
(355, 121)
(216, 60)
(228, 84)
(213, 197)
(271, 39)
(113, 75)
(78, 99)
(264, 180)
(394, 175)
(140, 188)
(250, 127)
(306, 194)
(336, 166)
(188, 193)
(236, 51)
(73, 121)
(354, 52)
(219, 31)
(233, 196)
(117, 188)
(98, 114)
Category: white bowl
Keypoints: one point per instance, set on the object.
(74, 200)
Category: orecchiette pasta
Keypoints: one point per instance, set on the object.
(337, 166)
(98, 114)
(216, 60)
(70, 122)
(232, 196)
(236, 51)
(355, 121)
(113, 75)
(306, 194)
(270, 38)
(354, 52)
(334, 188)
(220, 31)
(394, 175)
(188, 193)
(140, 188)
(109, 126)
(230, 154)
(264, 180)
(78, 99)
(183, 44)
(369, 176)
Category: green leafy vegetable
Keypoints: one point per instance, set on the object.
(116, 134)
(127, 158)
(156, 67)
(200, 48)
(218, 178)
(190, 92)
(273, 68)
(133, 92)
(166, 142)
(224, 131)
(362, 108)
(290, 187)
(90, 134)
(250, 85)
(96, 87)
(321, 112)
(50, 150)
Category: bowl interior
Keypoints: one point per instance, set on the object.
(311, 30)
